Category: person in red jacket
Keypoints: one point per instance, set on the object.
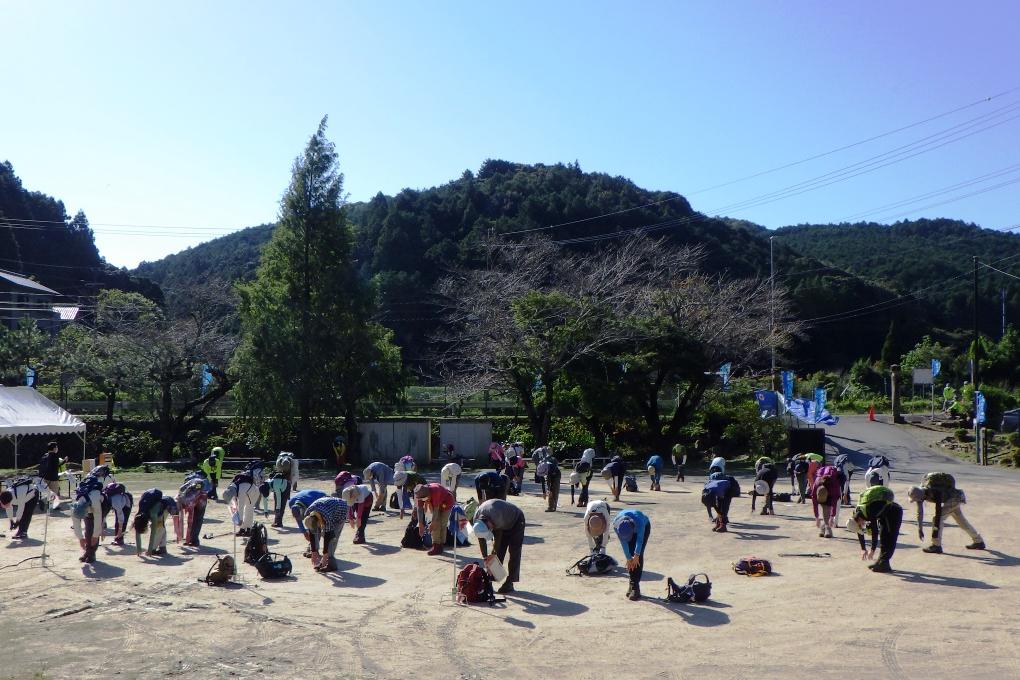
(440, 500)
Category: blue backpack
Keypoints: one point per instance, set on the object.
(87, 486)
(150, 498)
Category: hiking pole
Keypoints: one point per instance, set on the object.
(805, 554)
(456, 531)
(46, 526)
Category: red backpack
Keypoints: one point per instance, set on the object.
(474, 585)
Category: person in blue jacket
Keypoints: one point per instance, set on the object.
(633, 528)
(655, 465)
(379, 476)
(298, 505)
(719, 491)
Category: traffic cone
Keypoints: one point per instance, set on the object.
(871, 413)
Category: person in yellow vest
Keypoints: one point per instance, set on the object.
(877, 512)
(213, 468)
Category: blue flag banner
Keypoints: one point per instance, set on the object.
(787, 377)
(819, 399)
(979, 408)
(207, 378)
(806, 410)
(936, 367)
(30, 376)
(724, 373)
(768, 403)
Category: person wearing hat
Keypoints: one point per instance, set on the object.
(514, 467)
(537, 457)
(553, 476)
(379, 475)
(359, 503)
(298, 505)
(596, 525)
(825, 490)
(215, 469)
(340, 450)
(242, 494)
(948, 501)
(501, 525)
(439, 500)
(633, 528)
(614, 473)
(655, 465)
(88, 508)
(584, 469)
(876, 511)
(878, 472)
(406, 463)
(343, 480)
(679, 460)
(718, 464)
(406, 482)
(846, 469)
(119, 501)
(19, 500)
(450, 478)
(491, 484)
(155, 519)
(797, 466)
(324, 519)
(718, 493)
(497, 455)
(192, 499)
(765, 476)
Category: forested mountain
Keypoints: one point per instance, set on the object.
(39, 239)
(408, 241)
(930, 262)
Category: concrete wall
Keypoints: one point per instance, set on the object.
(390, 440)
(469, 439)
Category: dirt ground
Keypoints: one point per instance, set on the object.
(389, 612)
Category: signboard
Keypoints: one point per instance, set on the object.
(923, 376)
(979, 407)
(787, 377)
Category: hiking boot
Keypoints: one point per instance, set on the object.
(881, 567)
(722, 528)
(828, 532)
(634, 593)
(20, 536)
(935, 549)
(821, 532)
(506, 588)
(979, 545)
(277, 525)
(358, 540)
(435, 550)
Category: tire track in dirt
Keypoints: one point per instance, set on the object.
(889, 656)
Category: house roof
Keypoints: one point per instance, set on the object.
(23, 282)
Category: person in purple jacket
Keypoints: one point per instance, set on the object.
(633, 528)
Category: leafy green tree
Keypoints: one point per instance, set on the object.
(304, 318)
(20, 348)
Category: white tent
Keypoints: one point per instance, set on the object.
(24, 412)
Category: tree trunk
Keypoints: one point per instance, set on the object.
(351, 431)
(111, 398)
(306, 425)
(166, 428)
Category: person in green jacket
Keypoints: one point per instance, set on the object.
(213, 468)
(876, 511)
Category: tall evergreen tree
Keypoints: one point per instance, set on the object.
(305, 303)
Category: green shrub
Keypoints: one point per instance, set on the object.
(962, 434)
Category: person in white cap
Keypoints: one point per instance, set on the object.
(359, 503)
(324, 518)
(449, 476)
(501, 525)
(940, 488)
(597, 525)
(584, 469)
(379, 475)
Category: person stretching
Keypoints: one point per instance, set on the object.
(406, 482)
(379, 475)
(679, 460)
(765, 474)
(88, 507)
(118, 500)
(359, 504)
(439, 500)
(596, 525)
(192, 499)
(537, 456)
(298, 505)
(585, 468)
(19, 500)
(633, 529)
(655, 465)
(614, 473)
(940, 488)
(825, 493)
(491, 484)
(717, 495)
(501, 525)
(343, 480)
(876, 511)
(241, 494)
(324, 519)
(553, 476)
(450, 478)
(407, 464)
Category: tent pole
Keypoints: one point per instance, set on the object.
(15, 454)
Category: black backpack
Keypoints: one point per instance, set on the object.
(258, 544)
(693, 591)
(630, 483)
(274, 565)
(411, 538)
(593, 565)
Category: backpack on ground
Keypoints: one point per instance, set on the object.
(630, 483)
(220, 572)
(274, 565)
(693, 591)
(942, 483)
(782, 497)
(411, 538)
(149, 499)
(474, 585)
(752, 566)
(394, 501)
(593, 565)
(258, 544)
(469, 509)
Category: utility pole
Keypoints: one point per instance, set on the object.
(772, 312)
(977, 351)
(1003, 313)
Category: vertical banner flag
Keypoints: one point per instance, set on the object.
(207, 378)
(979, 408)
(819, 402)
(787, 377)
(768, 403)
(936, 367)
(30, 376)
(724, 372)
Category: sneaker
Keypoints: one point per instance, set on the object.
(358, 540)
(722, 530)
(828, 532)
(980, 545)
(506, 588)
(934, 549)
(634, 593)
(821, 532)
(20, 536)
(880, 567)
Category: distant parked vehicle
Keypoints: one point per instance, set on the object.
(1010, 421)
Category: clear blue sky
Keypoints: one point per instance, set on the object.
(190, 114)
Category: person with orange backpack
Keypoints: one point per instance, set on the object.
(825, 491)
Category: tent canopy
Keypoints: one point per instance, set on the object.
(23, 411)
